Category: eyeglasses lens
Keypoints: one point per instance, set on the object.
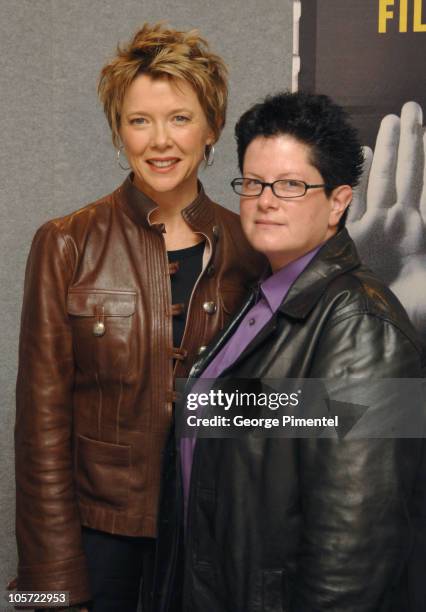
(289, 189)
(284, 189)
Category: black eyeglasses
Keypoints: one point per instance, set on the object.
(284, 188)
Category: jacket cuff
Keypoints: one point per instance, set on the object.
(70, 575)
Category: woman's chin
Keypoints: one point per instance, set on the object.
(266, 246)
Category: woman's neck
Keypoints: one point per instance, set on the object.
(178, 234)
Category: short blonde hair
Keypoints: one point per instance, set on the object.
(162, 52)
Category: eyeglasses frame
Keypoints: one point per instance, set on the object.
(264, 184)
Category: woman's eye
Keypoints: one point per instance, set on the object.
(181, 119)
(293, 184)
(252, 183)
(138, 121)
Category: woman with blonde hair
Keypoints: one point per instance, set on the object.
(119, 298)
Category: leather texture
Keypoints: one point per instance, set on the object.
(306, 525)
(95, 384)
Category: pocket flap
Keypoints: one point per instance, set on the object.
(103, 452)
(87, 303)
(103, 473)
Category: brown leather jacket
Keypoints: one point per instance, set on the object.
(95, 381)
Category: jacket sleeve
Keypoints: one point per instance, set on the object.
(47, 521)
(356, 494)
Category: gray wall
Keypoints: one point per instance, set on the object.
(56, 154)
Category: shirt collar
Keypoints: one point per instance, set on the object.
(276, 286)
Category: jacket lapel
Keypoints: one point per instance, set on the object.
(337, 256)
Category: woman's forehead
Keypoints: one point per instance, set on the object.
(278, 152)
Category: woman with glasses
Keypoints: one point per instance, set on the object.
(313, 520)
(120, 297)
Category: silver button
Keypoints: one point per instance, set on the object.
(209, 307)
(252, 321)
(201, 349)
(99, 328)
(216, 231)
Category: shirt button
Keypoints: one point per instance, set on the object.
(252, 321)
(209, 307)
(201, 349)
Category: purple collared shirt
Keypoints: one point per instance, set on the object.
(273, 291)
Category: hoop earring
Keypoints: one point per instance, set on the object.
(209, 158)
(121, 148)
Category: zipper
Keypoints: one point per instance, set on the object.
(204, 267)
(170, 320)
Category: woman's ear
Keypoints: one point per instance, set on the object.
(340, 198)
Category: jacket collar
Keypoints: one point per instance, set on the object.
(199, 214)
(336, 256)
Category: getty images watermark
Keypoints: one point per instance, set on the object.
(216, 398)
(343, 408)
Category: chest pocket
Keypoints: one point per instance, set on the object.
(103, 330)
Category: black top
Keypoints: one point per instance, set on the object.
(190, 262)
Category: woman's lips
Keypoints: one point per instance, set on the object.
(162, 165)
(271, 223)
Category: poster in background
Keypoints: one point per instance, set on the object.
(368, 55)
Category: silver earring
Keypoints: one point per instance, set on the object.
(121, 148)
(209, 158)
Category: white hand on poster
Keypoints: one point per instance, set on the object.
(388, 214)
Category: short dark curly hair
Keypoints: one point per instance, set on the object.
(314, 120)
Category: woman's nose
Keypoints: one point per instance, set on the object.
(267, 199)
(160, 136)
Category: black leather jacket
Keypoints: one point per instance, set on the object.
(307, 525)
